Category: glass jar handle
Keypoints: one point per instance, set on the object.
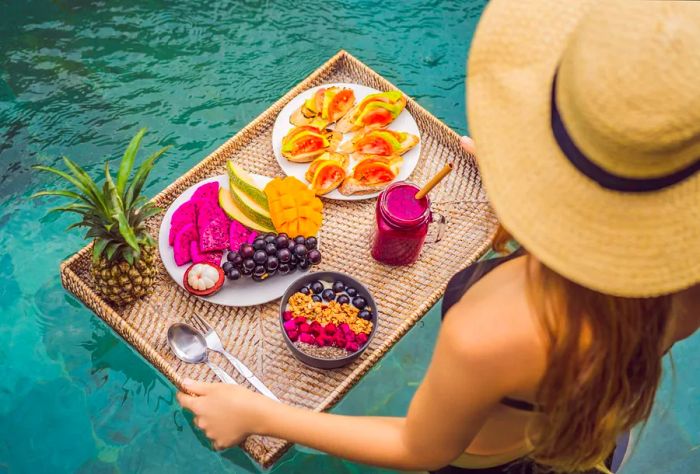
(440, 220)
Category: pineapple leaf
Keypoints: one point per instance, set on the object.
(62, 193)
(75, 182)
(126, 230)
(140, 177)
(98, 247)
(81, 209)
(129, 255)
(127, 162)
(112, 247)
(89, 184)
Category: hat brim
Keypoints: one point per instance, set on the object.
(625, 244)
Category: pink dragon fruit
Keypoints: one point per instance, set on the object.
(181, 245)
(212, 226)
(207, 257)
(240, 234)
(208, 192)
(183, 215)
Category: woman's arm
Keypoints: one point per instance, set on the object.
(466, 378)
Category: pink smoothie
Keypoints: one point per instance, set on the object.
(401, 225)
(401, 203)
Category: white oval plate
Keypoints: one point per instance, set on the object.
(403, 123)
(243, 292)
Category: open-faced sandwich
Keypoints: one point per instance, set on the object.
(304, 144)
(372, 174)
(374, 111)
(327, 172)
(326, 106)
(380, 142)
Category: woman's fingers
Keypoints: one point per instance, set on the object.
(186, 401)
(198, 388)
(468, 145)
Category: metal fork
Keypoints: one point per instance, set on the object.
(214, 343)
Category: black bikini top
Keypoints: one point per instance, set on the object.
(460, 284)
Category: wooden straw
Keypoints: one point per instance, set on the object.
(434, 181)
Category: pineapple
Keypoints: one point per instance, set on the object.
(123, 252)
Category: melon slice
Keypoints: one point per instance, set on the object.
(182, 242)
(205, 257)
(183, 215)
(231, 210)
(209, 192)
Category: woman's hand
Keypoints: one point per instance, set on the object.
(226, 413)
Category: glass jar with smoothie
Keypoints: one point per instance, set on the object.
(402, 223)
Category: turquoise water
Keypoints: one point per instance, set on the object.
(79, 78)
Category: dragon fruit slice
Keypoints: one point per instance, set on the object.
(181, 244)
(212, 226)
(205, 257)
(208, 192)
(183, 215)
(240, 234)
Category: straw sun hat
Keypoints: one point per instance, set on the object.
(586, 118)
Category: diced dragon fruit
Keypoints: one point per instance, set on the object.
(240, 234)
(212, 226)
(181, 244)
(205, 257)
(183, 215)
(208, 192)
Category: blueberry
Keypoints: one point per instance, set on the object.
(303, 265)
(259, 244)
(316, 287)
(270, 238)
(248, 264)
(338, 286)
(294, 260)
(272, 263)
(233, 274)
(231, 255)
(270, 249)
(227, 267)
(283, 268)
(314, 257)
(262, 277)
(237, 260)
(328, 295)
(291, 244)
(259, 270)
(316, 298)
(364, 314)
(282, 242)
(284, 255)
(343, 299)
(359, 302)
(259, 257)
(311, 243)
(247, 271)
(305, 290)
(352, 292)
(246, 251)
(300, 250)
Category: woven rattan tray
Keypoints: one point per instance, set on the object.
(403, 294)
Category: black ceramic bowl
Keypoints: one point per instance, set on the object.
(327, 276)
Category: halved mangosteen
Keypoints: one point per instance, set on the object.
(203, 279)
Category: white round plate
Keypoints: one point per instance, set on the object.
(243, 292)
(403, 123)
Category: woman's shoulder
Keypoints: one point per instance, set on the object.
(494, 323)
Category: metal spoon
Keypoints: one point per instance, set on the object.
(189, 345)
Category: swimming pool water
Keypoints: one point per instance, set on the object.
(79, 78)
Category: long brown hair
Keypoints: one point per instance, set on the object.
(603, 366)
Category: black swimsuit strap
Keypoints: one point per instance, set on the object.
(460, 284)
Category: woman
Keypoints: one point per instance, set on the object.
(587, 119)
